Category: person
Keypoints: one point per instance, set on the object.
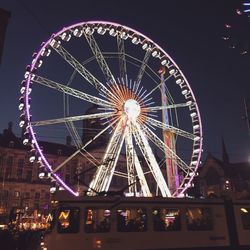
(105, 225)
(121, 223)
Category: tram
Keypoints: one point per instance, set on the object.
(152, 223)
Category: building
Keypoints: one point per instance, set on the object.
(220, 178)
(20, 185)
(19, 178)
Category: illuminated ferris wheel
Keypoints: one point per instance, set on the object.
(145, 106)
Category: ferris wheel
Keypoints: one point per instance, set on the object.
(144, 105)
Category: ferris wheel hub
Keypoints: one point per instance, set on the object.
(132, 109)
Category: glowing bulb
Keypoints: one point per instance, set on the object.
(132, 109)
(244, 210)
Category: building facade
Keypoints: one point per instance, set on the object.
(20, 185)
(19, 178)
(220, 178)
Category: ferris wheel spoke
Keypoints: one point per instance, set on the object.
(84, 146)
(133, 162)
(70, 125)
(121, 174)
(71, 91)
(82, 70)
(142, 69)
(74, 134)
(130, 160)
(146, 150)
(158, 86)
(171, 106)
(161, 145)
(103, 176)
(170, 128)
(100, 58)
(90, 157)
(72, 119)
(122, 59)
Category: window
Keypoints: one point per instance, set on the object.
(16, 194)
(68, 220)
(131, 220)
(166, 219)
(5, 194)
(10, 161)
(245, 217)
(47, 195)
(50, 220)
(29, 172)
(20, 166)
(37, 195)
(199, 219)
(11, 144)
(27, 195)
(97, 220)
(8, 170)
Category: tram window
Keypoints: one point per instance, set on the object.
(68, 220)
(50, 220)
(245, 217)
(131, 220)
(166, 219)
(97, 220)
(199, 219)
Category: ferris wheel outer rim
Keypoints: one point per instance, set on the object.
(28, 80)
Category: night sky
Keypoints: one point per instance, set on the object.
(189, 31)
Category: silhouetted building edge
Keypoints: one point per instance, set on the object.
(4, 19)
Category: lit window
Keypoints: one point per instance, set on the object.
(50, 220)
(131, 220)
(245, 217)
(166, 219)
(97, 220)
(68, 220)
(199, 219)
(17, 194)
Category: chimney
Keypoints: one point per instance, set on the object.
(225, 157)
(10, 125)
